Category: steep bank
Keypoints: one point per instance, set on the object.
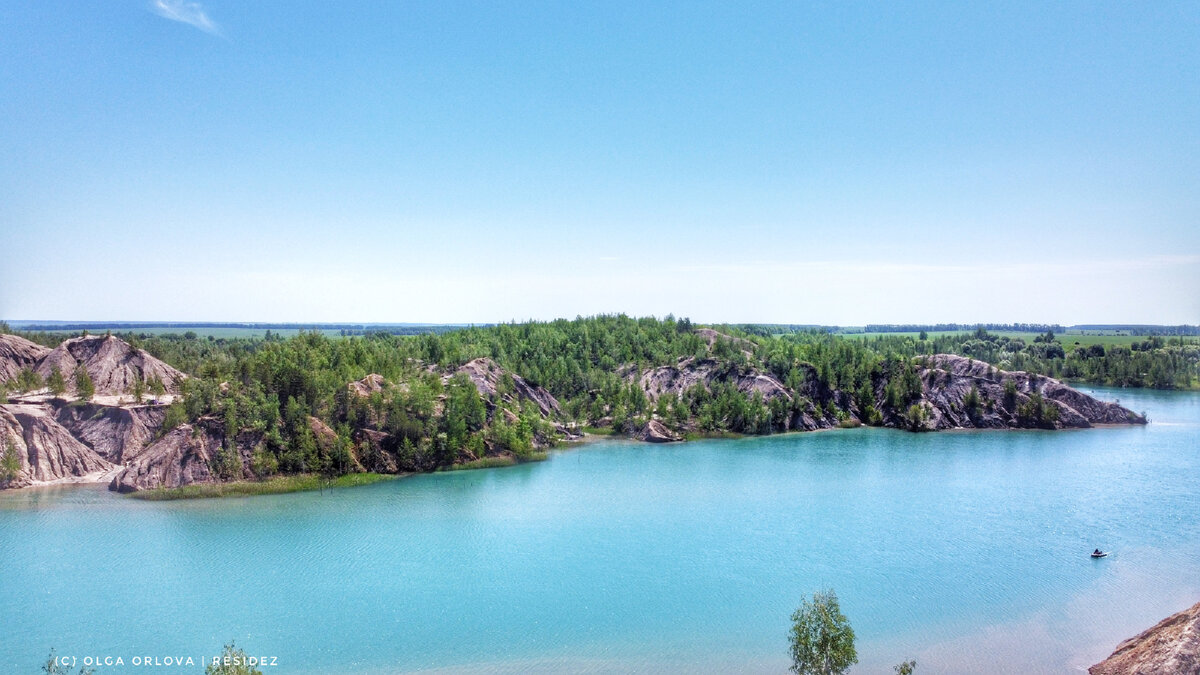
(46, 451)
(1170, 646)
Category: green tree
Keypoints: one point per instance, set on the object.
(233, 661)
(156, 386)
(27, 380)
(822, 641)
(56, 382)
(1010, 395)
(10, 461)
(972, 402)
(905, 668)
(138, 390)
(84, 384)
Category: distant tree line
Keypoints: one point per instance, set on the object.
(952, 327)
(1156, 362)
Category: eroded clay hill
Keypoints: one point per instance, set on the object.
(187, 455)
(113, 364)
(59, 440)
(947, 381)
(17, 354)
(46, 450)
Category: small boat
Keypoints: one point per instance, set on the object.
(1100, 554)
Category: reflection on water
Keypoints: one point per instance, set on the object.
(964, 550)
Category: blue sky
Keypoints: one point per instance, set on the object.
(837, 163)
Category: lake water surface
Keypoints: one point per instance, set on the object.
(967, 551)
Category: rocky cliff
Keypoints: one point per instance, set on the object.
(187, 454)
(118, 434)
(370, 384)
(1171, 646)
(690, 372)
(487, 378)
(948, 381)
(46, 450)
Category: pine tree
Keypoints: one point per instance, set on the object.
(56, 382)
(84, 384)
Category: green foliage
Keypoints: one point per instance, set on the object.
(821, 640)
(84, 385)
(905, 668)
(27, 381)
(10, 461)
(973, 403)
(264, 463)
(916, 416)
(1155, 362)
(1010, 395)
(56, 383)
(137, 389)
(1038, 412)
(227, 464)
(233, 661)
(176, 414)
(270, 486)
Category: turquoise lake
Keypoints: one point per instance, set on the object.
(967, 551)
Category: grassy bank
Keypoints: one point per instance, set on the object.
(495, 462)
(271, 486)
(708, 435)
(598, 431)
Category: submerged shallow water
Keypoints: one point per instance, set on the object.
(965, 550)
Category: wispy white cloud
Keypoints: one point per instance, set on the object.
(183, 11)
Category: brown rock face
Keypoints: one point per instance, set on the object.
(182, 457)
(17, 354)
(112, 364)
(47, 451)
(1171, 646)
(185, 455)
(486, 376)
(372, 454)
(689, 372)
(368, 385)
(116, 434)
(657, 432)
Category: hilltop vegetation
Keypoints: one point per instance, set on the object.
(1158, 362)
(490, 395)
